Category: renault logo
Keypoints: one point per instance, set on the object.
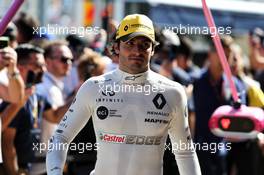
(159, 101)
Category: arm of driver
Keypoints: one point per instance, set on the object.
(179, 131)
(73, 121)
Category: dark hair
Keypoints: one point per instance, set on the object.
(226, 41)
(75, 41)
(113, 40)
(76, 44)
(49, 49)
(88, 64)
(184, 48)
(258, 34)
(24, 51)
(11, 31)
(25, 25)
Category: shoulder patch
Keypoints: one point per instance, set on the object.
(102, 81)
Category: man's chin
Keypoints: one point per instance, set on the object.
(136, 60)
(64, 74)
(137, 63)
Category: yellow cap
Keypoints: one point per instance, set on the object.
(135, 25)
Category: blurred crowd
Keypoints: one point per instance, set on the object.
(39, 78)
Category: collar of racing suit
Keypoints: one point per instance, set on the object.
(127, 78)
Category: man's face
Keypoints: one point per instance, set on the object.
(235, 61)
(182, 61)
(135, 54)
(36, 65)
(61, 62)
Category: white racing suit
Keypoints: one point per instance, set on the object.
(132, 116)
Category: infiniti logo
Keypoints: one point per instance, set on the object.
(108, 93)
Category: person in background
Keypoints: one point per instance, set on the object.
(255, 96)
(25, 25)
(17, 137)
(109, 49)
(77, 46)
(90, 65)
(184, 71)
(110, 52)
(58, 58)
(256, 45)
(245, 156)
(11, 87)
(99, 45)
(164, 52)
(11, 33)
(211, 89)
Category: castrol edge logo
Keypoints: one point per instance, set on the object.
(112, 138)
(130, 139)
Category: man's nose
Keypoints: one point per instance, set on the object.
(43, 68)
(235, 59)
(137, 48)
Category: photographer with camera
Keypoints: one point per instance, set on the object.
(17, 137)
(13, 89)
(22, 134)
(11, 85)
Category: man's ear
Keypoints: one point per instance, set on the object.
(48, 61)
(152, 52)
(116, 48)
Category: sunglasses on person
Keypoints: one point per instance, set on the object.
(65, 60)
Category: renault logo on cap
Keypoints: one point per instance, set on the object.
(125, 28)
(159, 101)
